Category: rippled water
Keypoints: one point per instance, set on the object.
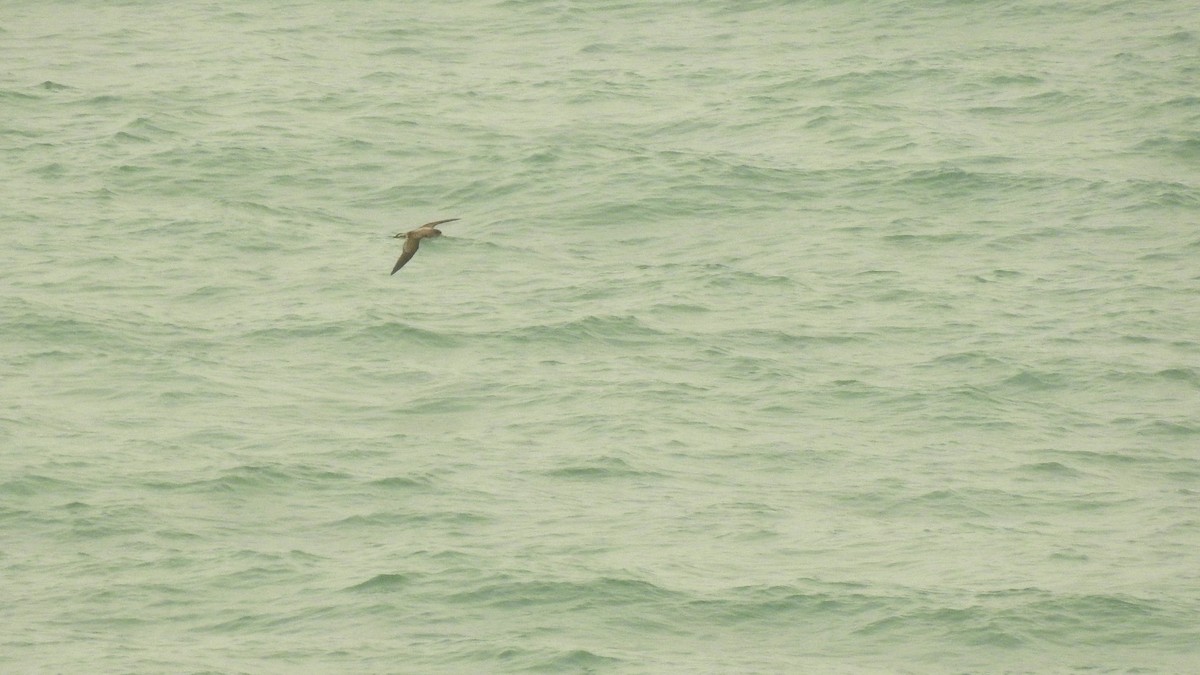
(772, 337)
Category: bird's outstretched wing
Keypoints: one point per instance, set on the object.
(410, 249)
(412, 240)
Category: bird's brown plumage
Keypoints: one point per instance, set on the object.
(412, 240)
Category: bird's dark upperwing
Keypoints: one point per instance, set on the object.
(439, 222)
(410, 249)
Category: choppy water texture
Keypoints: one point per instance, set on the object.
(774, 337)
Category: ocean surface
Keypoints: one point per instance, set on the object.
(773, 337)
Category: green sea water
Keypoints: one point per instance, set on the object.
(773, 337)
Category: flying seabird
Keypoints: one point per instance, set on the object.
(412, 240)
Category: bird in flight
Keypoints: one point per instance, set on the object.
(412, 240)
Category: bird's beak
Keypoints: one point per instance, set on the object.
(402, 235)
